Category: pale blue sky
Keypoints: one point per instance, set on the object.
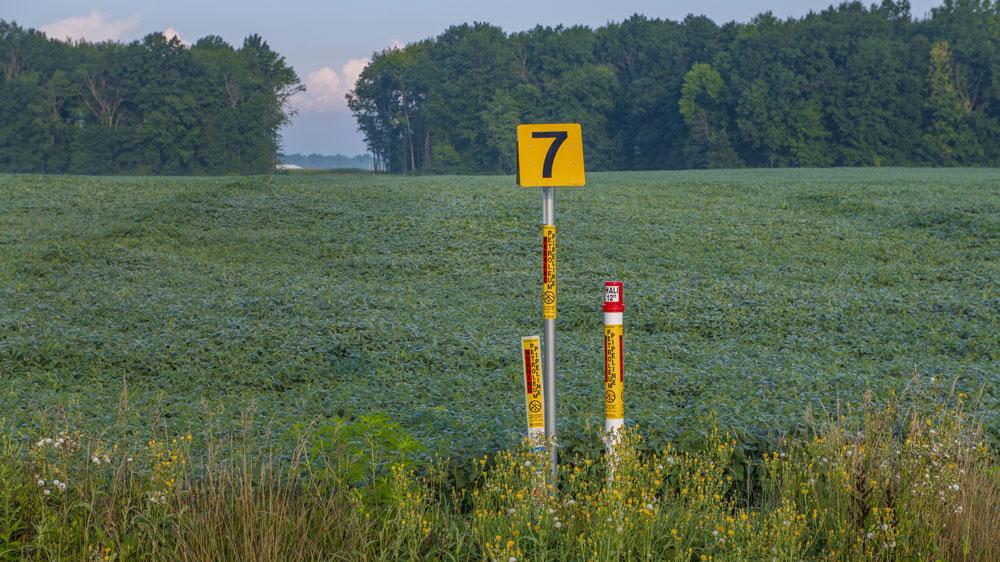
(327, 42)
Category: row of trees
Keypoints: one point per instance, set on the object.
(153, 106)
(852, 86)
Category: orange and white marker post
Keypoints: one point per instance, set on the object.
(614, 365)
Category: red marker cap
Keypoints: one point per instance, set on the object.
(613, 297)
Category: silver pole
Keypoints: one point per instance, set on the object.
(549, 219)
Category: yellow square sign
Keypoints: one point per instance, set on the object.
(550, 155)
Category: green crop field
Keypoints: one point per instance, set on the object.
(751, 294)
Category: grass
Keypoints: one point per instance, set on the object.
(890, 484)
(754, 294)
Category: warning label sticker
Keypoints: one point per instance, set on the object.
(611, 294)
(534, 400)
(614, 373)
(549, 272)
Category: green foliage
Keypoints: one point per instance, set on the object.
(153, 106)
(753, 293)
(852, 85)
(360, 450)
(14, 516)
(505, 112)
(901, 481)
(704, 114)
(950, 140)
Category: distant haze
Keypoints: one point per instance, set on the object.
(328, 43)
(328, 162)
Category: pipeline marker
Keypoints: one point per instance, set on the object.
(614, 364)
(614, 406)
(550, 155)
(614, 372)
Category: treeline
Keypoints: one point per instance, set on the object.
(153, 106)
(854, 85)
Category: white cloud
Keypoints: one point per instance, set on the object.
(96, 27)
(326, 88)
(169, 33)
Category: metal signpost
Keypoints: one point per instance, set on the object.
(548, 156)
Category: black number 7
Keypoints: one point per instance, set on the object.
(558, 137)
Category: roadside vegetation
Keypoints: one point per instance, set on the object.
(896, 482)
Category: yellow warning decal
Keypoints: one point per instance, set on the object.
(614, 405)
(534, 400)
(549, 272)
